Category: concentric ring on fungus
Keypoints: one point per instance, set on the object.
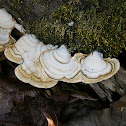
(33, 79)
(27, 71)
(112, 68)
(52, 69)
(23, 45)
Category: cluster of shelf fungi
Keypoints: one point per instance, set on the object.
(44, 65)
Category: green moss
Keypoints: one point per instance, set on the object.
(99, 26)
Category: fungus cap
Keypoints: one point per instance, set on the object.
(109, 68)
(33, 80)
(4, 39)
(58, 64)
(6, 20)
(27, 71)
(93, 65)
(4, 44)
(115, 66)
(23, 45)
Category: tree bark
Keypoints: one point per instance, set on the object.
(116, 84)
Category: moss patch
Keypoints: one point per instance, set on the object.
(98, 25)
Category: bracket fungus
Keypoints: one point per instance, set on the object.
(23, 45)
(44, 65)
(95, 69)
(58, 65)
(93, 65)
(27, 71)
(6, 21)
(7, 24)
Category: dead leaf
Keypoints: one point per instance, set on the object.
(50, 115)
(49, 119)
(12, 100)
(58, 101)
(6, 102)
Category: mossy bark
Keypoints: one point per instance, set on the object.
(98, 25)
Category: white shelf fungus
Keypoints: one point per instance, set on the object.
(27, 71)
(7, 23)
(93, 65)
(23, 45)
(96, 69)
(57, 65)
(6, 20)
(5, 38)
(20, 28)
(44, 65)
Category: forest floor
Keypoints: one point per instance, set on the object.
(65, 104)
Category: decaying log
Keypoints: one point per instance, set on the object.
(106, 88)
(28, 14)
